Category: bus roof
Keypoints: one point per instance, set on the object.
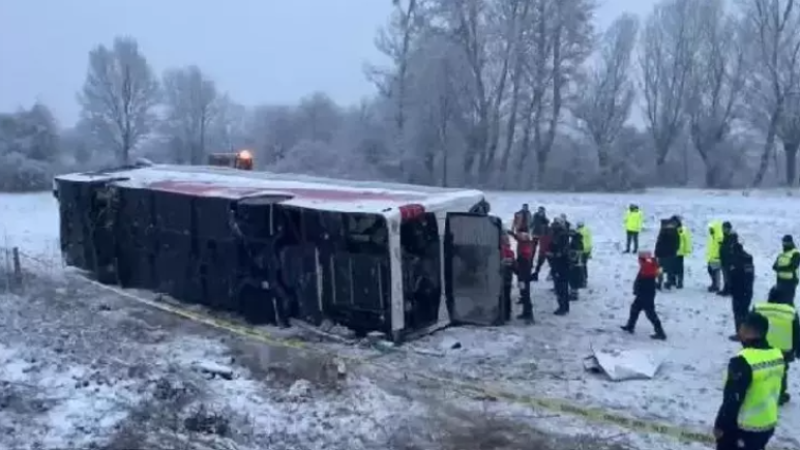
(289, 189)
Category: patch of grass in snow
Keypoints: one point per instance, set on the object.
(454, 429)
(283, 367)
(175, 415)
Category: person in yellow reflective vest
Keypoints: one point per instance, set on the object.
(684, 250)
(749, 412)
(786, 267)
(633, 226)
(784, 332)
(713, 242)
(586, 234)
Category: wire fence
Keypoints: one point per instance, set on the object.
(19, 268)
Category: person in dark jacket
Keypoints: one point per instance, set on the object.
(544, 251)
(644, 291)
(560, 266)
(576, 263)
(540, 223)
(667, 245)
(522, 220)
(728, 426)
(741, 279)
(786, 267)
(729, 237)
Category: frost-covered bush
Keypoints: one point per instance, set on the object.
(21, 174)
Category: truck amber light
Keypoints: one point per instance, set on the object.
(411, 212)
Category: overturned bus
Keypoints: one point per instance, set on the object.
(399, 259)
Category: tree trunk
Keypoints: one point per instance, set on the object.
(769, 147)
(712, 174)
(790, 148)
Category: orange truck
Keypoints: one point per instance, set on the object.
(242, 160)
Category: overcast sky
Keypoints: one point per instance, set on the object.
(258, 50)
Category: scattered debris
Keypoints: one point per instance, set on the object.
(300, 389)
(622, 365)
(213, 369)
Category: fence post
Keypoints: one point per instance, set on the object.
(17, 268)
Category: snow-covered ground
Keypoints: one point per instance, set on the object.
(60, 352)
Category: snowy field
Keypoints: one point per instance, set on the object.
(82, 366)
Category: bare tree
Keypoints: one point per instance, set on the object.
(190, 100)
(560, 40)
(119, 95)
(773, 28)
(605, 103)
(229, 128)
(396, 40)
(715, 86)
(789, 133)
(669, 45)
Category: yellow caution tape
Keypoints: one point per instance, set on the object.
(554, 405)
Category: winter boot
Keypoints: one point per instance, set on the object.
(784, 399)
(627, 328)
(734, 338)
(659, 330)
(561, 311)
(535, 276)
(713, 289)
(659, 335)
(527, 318)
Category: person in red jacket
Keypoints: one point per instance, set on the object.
(644, 290)
(508, 268)
(526, 247)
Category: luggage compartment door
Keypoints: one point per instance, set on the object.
(472, 260)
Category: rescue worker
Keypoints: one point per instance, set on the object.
(539, 223)
(749, 412)
(729, 237)
(644, 291)
(507, 255)
(524, 267)
(633, 226)
(742, 277)
(713, 242)
(576, 267)
(783, 334)
(666, 252)
(786, 267)
(559, 265)
(522, 220)
(565, 221)
(587, 250)
(684, 250)
(544, 250)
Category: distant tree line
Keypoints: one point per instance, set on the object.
(501, 94)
